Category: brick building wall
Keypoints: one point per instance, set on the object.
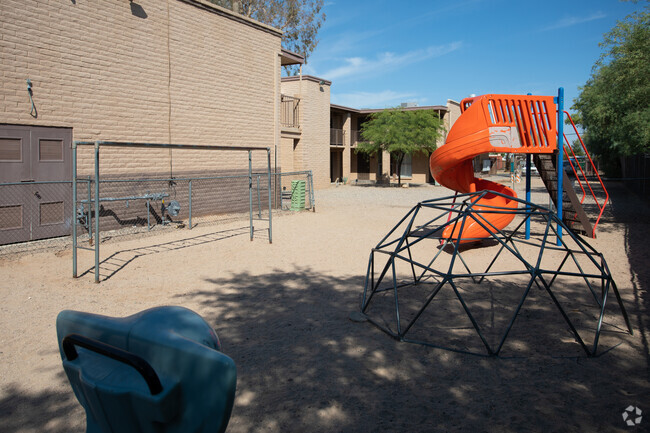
(312, 150)
(157, 71)
(181, 71)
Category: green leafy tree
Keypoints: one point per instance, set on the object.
(614, 105)
(400, 133)
(299, 20)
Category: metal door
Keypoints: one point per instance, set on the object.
(38, 160)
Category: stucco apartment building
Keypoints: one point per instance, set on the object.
(321, 136)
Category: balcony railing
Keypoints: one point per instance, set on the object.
(355, 137)
(336, 137)
(289, 111)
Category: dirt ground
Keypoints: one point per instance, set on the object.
(282, 313)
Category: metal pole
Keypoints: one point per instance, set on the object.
(528, 196)
(311, 191)
(97, 238)
(528, 166)
(512, 170)
(74, 210)
(90, 211)
(148, 213)
(560, 161)
(268, 154)
(250, 191)
(190, 206)
(259, 203)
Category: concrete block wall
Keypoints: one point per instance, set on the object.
(453, 113)
(292, 149)
(316, 131)
(180, 71)
(312, 151)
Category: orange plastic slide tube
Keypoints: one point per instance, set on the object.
(492, 123)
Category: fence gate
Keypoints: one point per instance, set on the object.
(35, 182)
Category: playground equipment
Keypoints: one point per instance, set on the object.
(84, 216)
(517, 124)
(161, 370)
(406, 284)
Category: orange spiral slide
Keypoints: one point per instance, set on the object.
(492, 123)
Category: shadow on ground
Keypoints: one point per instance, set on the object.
(117, 261)
(304, 366)
(633, 211)
(48, 411)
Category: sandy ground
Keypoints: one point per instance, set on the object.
(282, 313)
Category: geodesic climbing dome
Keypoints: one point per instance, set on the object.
(421, 287)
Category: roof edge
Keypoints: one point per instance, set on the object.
(419, 108)
(227, 13)
(306, 78)
(291, 58)
(344, 108)
(377, 110)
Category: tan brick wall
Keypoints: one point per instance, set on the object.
(286, 154)
(292, 157)
(452, 115)
(312, 151)
(347, 139)
(419, 168)
(171, 71)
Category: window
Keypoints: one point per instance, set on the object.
(10, 149)
(50, 150)
(407, 169)
(363, 163)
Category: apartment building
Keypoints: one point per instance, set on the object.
(322, 136)
(349, 166)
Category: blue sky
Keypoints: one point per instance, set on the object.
(379, 53)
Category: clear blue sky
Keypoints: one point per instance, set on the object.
(378, 53)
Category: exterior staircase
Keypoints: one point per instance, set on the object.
(573, 213)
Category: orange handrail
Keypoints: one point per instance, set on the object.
(591, 162)
(573, 168)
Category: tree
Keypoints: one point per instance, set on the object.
(299, 20)
(400, 133)
(577, 148)
(613, 106)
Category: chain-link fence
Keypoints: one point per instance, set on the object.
(39, 210)
(636, 172)
(294, 191)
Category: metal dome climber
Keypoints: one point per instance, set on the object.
(404, 286)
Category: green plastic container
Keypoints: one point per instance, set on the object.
(297, 195)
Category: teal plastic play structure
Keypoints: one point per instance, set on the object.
(161, 370)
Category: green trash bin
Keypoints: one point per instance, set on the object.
(297, 195)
